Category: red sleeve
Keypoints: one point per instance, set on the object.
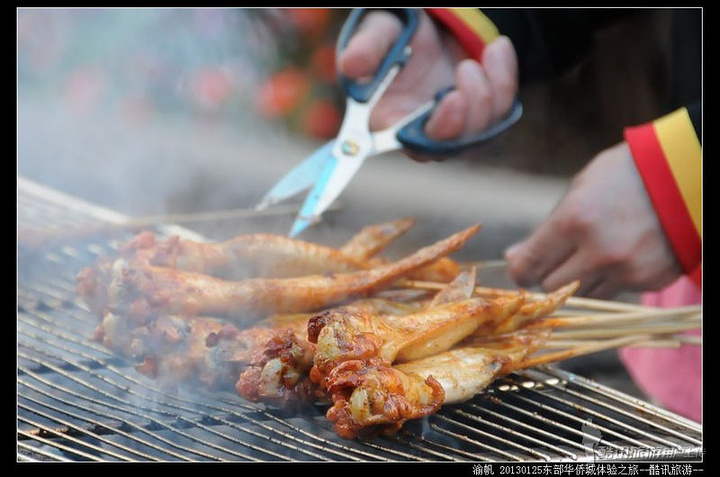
(668, 155)
(470, 26)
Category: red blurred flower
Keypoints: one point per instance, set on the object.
(321, 119)
(322, 62)
(85, 87)
(136, 108)
(282, 92)
(211, 87)
(310, 21)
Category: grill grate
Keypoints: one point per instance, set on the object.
(76, 401)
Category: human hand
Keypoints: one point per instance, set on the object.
(484, 91)
(604, 232)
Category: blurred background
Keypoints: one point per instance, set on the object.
(157, 111)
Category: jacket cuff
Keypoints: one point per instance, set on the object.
(470, 26)
(668, 156)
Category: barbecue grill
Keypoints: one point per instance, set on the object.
(77, 401)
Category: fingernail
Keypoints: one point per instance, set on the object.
(512, 251)
(491, 59)
(470, 68)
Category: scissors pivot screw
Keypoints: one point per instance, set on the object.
(350, 147)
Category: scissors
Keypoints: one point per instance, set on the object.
(328, 170)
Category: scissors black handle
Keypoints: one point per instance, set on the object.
(412, 136)
(398, 54)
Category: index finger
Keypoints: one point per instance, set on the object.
(540, 254)
(372, 41)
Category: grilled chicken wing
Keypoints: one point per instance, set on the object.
(325, 327)
(367, 243)
(178, 349)
(255, 255)
(460, 288)
(374, 238)
(282, 378)
(153, 290)
(343, 335)
(467, 369)
(278, 372)
(533, 311)
(371, 397)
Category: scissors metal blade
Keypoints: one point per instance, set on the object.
(335, 176)
(300, 178)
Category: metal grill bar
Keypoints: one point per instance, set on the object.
(62, 447)
(411, 440)
(66, 338)
(116, 430)
(533, 420)
(580, 419)
(314, 441)
(603, 416)
(67, 434)
(32, 451)
(165, 409)
(378, 447)
(84, 399)
(636, 404)
(447, 447)
(520, 437)
(488, 436)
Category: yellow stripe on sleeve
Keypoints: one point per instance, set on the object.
(683, 151)
(477, 22)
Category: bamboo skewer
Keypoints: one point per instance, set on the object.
(676, 314)
(593, 347)
(35, 238)
(579, 302)
(483, 264)
(611, 325)
(671, 342)
(216, 215)
(573, 348)
(690, 339)
(605, 332)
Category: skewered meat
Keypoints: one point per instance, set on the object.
(533, 310)
(151, 290)
(178, 349)
(282, 377)
(255, 255)
(327, 325)
(251, 256)
(341, 335)
(370, 240)
(367, 243)
(461, 288)
(278, 372)
(371, 397)
(470, 367)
